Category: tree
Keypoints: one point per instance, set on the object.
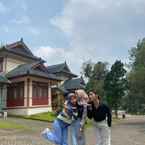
(115, 85)
(136, 79)
(87, 69)
(95, 73)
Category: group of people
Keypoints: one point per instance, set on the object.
(79, 106)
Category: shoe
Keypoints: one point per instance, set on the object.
(45, 131)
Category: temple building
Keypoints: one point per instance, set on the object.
(27, 86)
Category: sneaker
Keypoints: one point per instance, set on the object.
(45, 131)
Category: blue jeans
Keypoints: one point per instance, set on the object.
(59, 134)
(77, 137)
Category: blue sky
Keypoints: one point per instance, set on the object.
(74, 30)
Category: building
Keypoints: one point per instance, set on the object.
(62, 71)
(3, 91)
(69, 83)
(73, 84)
(27, 86)
(29, 91)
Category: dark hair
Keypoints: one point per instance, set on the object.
(99, 98)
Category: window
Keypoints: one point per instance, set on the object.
(40, 90)
(40, 93)
(1, 64)
(15, 94)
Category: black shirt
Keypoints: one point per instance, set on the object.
(99, 114)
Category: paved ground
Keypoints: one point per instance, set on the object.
(130, 131)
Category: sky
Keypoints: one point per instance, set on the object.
(74, 30)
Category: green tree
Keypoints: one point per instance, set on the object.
(115, 85)
(136, 79)
(87, 69)
(95, 73)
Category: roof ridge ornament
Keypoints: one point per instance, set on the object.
(21, 40)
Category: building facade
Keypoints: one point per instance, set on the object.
(70, 82)
(27, 86)
(29, 90)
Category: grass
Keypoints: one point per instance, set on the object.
(47, 117)
(4, 124)
(88, 124)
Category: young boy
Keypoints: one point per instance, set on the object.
(59, 134)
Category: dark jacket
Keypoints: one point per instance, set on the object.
(99, 114)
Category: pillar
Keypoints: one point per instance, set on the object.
(30, 92)
(49, 95)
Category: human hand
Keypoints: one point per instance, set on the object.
(81, 129)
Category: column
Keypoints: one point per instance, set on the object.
(30, 92)
(49, 95)
(25, 93)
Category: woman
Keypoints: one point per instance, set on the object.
(102, 117)
(77, 126)
(58, 135)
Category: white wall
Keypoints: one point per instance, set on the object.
(28, 111)
(12, 63)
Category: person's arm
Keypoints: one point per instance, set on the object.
(89, 111)
(109, 117)
(84, 116)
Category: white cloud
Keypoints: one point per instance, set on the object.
(3, 8)
(47, 52)
(102, 29)
(74, 57)
(59, 55)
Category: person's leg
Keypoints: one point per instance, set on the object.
(98, 136)
(64, 136)
(74, 132)
(105, 136)
(80, 135)
(81, 139)
(55, 134)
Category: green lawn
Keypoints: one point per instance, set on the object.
(4, 124)
(48, 116)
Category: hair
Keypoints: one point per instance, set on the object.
(99, 97)
(95, 99)
(70, 95)
(82, 94)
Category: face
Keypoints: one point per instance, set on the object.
(91, 96)
(97, 100)
(73, 100)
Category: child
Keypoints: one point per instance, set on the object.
(58, 135)
(77, 132)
